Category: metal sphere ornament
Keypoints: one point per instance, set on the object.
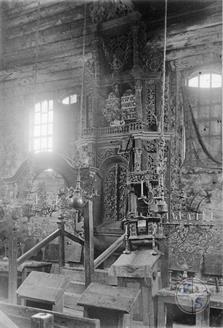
(77, 201)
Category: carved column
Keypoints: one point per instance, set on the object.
(95, 78)
(135, 30)
(138, 97)
(138, 155)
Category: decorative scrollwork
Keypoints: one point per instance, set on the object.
(152, 59)
(104, 153)
(188, 244)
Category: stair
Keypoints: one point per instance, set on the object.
(73, 291)
(76, 287)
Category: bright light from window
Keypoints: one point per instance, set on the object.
(72, 99)
(206, 80)
(43, 126)
(216, 80)
(193, 82)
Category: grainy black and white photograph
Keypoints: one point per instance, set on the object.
(111, 185)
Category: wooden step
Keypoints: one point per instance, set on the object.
(101, 276)
(70, 301)
(75, 287)
(73, 312)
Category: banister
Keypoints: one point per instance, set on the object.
(74, 237)
(108, 252)
(38, 246)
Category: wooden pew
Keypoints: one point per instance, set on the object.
(21, 316)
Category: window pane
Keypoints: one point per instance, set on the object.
(50, 129)
(44, 118)
(193, 82)
(37, 118)
(50, 143)
(205, 81)
(50, 116)
(44, 143)
(65, 101)
(43, 126)
(44, 106)
(216, 80)
(50, 104)
(37, 107)
(37, 131)
(44, 130)
(73, 99)
(36, 144)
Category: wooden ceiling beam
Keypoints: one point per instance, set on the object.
(67, 16)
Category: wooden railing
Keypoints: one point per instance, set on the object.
(108, 252)
(14, 261)
(99, 132)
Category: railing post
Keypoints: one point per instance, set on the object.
(12, 275)
(60, 224)
(42, 320)
(88, 243)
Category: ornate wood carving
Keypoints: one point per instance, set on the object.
(128, 106)
(118, 52)
(189, 243)
(150, 116)
(112, 109)
(114, 188)
(102, 11)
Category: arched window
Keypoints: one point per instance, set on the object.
(205, 96)
(205, 80)
(69, 100)
(42, 126)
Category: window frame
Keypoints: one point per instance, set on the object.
(200, 72)
(45, 109)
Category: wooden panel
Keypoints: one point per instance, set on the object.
(43, 286)
(109, 297)
(213, 264)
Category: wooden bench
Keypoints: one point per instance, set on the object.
(43, 290)
(112, 305)
(21, 316)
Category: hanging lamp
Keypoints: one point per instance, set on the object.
(77, 200)
(161, 203)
